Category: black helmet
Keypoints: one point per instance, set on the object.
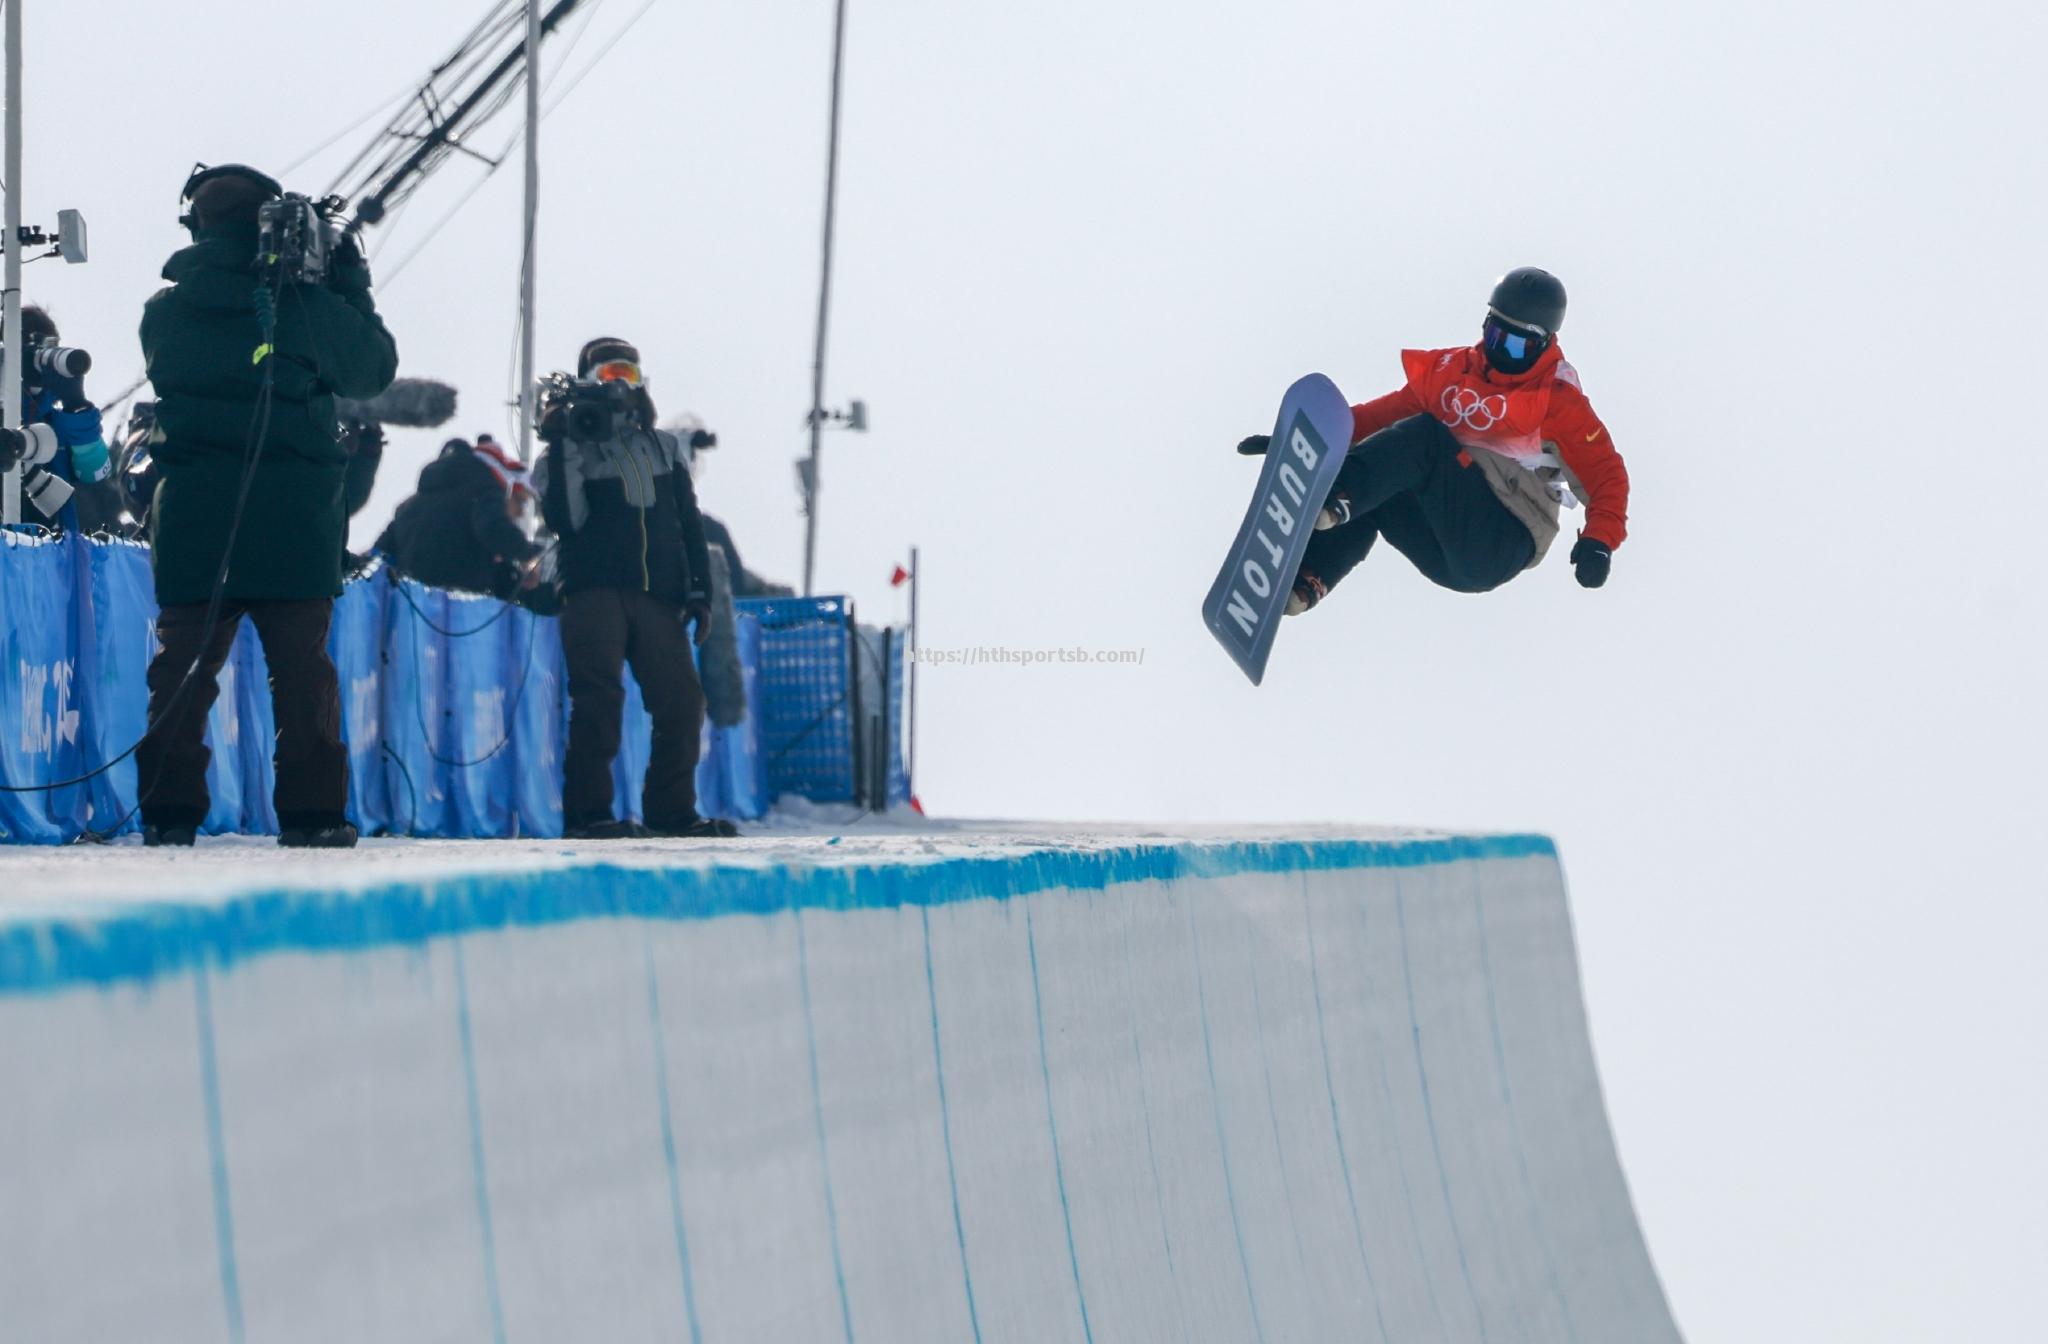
(1529, 298)
(603, 350)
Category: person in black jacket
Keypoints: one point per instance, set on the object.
(249, 516)
(460, 531)
(636, 585)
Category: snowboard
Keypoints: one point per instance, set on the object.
(1310, 440)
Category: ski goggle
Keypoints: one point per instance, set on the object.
(617, 371)
(1511, 342)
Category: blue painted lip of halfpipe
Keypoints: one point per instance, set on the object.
(142, 942)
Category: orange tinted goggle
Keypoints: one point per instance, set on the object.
(617, 371)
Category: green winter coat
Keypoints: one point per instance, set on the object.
(200, 339)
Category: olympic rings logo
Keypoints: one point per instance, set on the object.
(1467, 407)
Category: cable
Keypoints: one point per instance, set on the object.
(546, 112)
(398, 580)
(511, 711)
(329, 142)
(439, 224)
(602, 52)
(412, 819)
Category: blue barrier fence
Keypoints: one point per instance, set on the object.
(453, 707)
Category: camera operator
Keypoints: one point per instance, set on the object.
(636, 587)
(461, 530)
(247, 354)
(51, 385)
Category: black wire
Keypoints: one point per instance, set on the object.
(504, 155)
(412, 819)
(511, 712)
(398, 580)
(408, 127)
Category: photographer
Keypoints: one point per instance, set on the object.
(636, 587)
(247, 355)
(461, 531)
(52, 391)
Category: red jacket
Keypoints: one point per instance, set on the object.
(1534, 418)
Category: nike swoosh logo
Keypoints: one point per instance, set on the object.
(1594, 435)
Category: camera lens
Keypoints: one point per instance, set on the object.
(63, 361)
(48, 492)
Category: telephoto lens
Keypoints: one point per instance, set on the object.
(32, 445)
(61, 361)
(46, 490)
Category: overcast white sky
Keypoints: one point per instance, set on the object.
(1793, 752)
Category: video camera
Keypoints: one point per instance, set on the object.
(585, 409)
(297, 238)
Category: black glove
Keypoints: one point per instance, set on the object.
(1255, 445)
(348, 256)
(554, 423)
(1591, 559)
(697, 620)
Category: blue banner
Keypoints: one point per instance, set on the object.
(124, 640)
(536, 718)
(355, 640)
(39, 719)
(454, 708)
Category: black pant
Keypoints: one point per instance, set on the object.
(305, 696)
(1407, 483)
(602, 630)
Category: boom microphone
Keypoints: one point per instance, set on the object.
(410, 403)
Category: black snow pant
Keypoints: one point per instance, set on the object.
(305, 697)
(1407, 483)
(602, 630)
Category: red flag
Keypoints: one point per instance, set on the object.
(897, 579)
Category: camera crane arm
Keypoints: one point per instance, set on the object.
(394, 176)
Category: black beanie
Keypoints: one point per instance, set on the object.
(229, 194)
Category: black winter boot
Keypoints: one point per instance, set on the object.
(318, 835)
(604, 828)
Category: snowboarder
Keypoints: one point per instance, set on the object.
(1463, 468)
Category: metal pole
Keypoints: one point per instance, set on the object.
(528, 266)
(824, 302)
(910, 752)
(10, 286)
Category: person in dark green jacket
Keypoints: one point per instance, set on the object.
(241, 408)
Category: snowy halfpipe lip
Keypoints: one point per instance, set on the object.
(1018, 1083)
(139, 934)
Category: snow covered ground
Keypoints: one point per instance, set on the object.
(901, 1080)
(40, 883)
